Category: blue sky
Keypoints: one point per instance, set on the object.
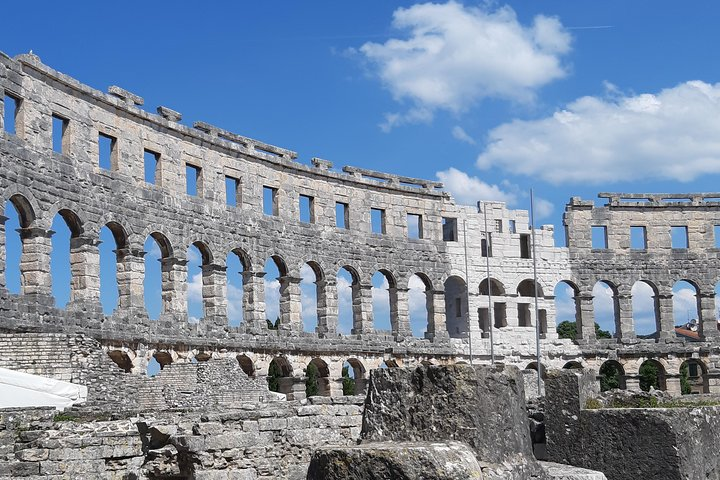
(569, 98)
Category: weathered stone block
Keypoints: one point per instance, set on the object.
(395, 460)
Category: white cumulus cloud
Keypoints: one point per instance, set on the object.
(452, 56)
(468, 190)
(671, 135)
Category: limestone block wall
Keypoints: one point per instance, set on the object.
(655, 261)
(269, 441)
(659, 443)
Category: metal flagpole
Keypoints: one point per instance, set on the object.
(490, 304)
(537, 313)
(467, 291)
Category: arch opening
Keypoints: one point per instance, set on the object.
(693, 377)
(275, 269)
(14, 244)
(317, 382)
(121, 359)
(652, 375)
(612, 375)
(353, 377)
(312, 294)
(349, 301)
(238, 264)
(157, 249)
(383, 302)
(279, 376)
(456, 307)
(567, 309)
(64, 267)
(645, 309)
(606, 306)
(499, 306)
(247, 365)
(420, 304)
(113, 240)
(198, 256)
(686, 305)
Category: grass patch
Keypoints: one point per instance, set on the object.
(65, 417)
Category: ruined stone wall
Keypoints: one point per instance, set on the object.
(619, 264)
(628, 443)
(269, 441)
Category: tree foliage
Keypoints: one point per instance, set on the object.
(273, 325)
(649, 376)
(609, 376)
(348, 383)
(568, 329)
(311, 383)
(685, 387)
(274, 375)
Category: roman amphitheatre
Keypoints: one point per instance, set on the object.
(208, 412)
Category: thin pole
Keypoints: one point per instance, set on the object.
(490, 304)
(537, 312)
(467, 291)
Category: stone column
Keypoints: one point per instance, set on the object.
(214, 293)
(664, 311)
(254, 301)
(290, 304)
(174, 288)
(435, 302)
(35, 261)
(706, 311)
(130, 277)
(327, 306)
(511, 311)
(585, 318)
(632, 383)
(400, 311)
(85, 271)
(627, 325)
(3, 253)
(362, 309)
(672, 386)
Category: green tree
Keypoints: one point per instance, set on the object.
(649, 376)
(347, 382)
(567, 329)
(609, 376)
(271, 325)
(274, 375)
(685, 387)
(311, 383)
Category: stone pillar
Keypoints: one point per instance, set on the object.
(85, 271)
(362, 309)
(627, 325)
(174, 287)
(214, 294)
(712, 378)
(585, 317)
(130, 277)
(435, 302)
(254, 301)
(400, 311)
(3, 253)
(664, 311)
(706, 311)
(335, 387)
(632, 383)
(327, 306)
(35, 261)
(511, 311)
(290, 304)
(672, 386)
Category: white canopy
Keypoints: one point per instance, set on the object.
(19, 389)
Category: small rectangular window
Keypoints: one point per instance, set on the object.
(717, 236)
(458, 307)
(59, 134)
(107, 154)
(525, 247)
(270, 202)
(486, 245)
(679, 237)
(414, 225)
(152, 167)
(232, 192)
(342, 215)
(498, 226)
(511, 226)
(449, 228)
(307, 209)
(193, 180)
(599, 237)
(377, 220)
(10, 113)
(638, 238)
